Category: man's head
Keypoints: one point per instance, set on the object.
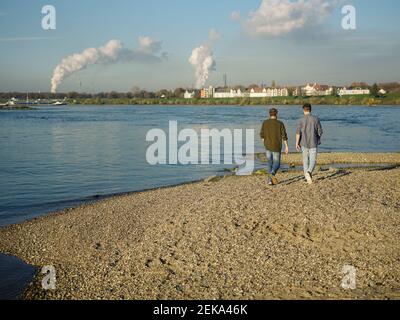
(307, 108)
(273, 113)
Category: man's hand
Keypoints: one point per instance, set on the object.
(298, 138)
(286, 147)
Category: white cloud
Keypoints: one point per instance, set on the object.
(279, 17)
(214, 35)
(149, 45)
(235, 16)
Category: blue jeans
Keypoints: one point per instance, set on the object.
(273, 162)
(309, 159)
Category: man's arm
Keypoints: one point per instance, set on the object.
(286, 146)
(285, 139)
(298, 146)
(298, 135)
(320, 131)
(262, 132)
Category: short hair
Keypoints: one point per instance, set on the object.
(273, 112)
(307, 107)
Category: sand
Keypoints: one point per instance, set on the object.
(235, 238)
(346, 158)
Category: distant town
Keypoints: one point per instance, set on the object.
(358, 93)
(309, 90)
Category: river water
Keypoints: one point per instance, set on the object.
(57, 157)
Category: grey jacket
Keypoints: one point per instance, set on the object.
(310, 131)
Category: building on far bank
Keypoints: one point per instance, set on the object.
(353, 91)
(314, 90)
(268, 92)
(189, 95)
(258, 92)
(228, 93)
(207, 93)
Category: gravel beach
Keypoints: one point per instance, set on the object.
(233, 238)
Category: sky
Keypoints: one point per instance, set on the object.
(292, 42)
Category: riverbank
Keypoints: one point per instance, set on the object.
(16, 108)
(234, 238)
(390, 99)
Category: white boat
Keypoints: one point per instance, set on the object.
(61, 103)
(12, 102)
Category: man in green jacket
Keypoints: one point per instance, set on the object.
(273, 133)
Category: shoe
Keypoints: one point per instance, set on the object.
(269, 181)
(274, 181)
(309, 178)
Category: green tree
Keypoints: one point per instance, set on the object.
(112, 95)
(72, 95)
(179, 92)
(375, 90)
(163, 94)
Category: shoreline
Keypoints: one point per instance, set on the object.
(11, 108)
(156, 218)
(365, 100)
(194, 105)
(214, 104)
(360, 160)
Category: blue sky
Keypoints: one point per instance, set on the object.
(321, 51)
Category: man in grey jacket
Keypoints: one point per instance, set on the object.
(308, 138)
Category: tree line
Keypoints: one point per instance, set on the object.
(178, 93)
(139, 93)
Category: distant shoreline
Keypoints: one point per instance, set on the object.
(289, 101)
(229, 105)
(16, 108)
(392, 99)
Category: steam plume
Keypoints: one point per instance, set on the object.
(202, 59)
(112, 52)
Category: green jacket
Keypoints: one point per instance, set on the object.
(273, 132)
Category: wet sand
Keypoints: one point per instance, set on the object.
(235, 238)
